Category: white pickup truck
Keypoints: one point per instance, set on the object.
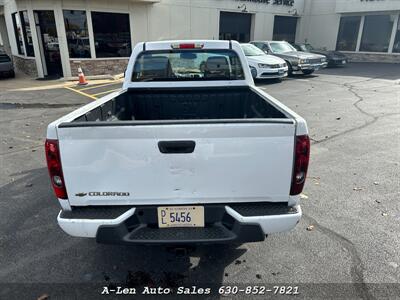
(188, 152)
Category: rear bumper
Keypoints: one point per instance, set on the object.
(6, 72)
(87, 226)
(338, 62)
(239, 223)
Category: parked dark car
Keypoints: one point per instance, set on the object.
(298, 62)
(6, 65)
(335, 58)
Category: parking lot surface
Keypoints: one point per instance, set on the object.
(348, 240)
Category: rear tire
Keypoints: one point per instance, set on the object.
(253, 72)
(308, 72)
(290, 69)
(12, 74)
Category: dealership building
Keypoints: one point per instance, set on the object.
(52, 38)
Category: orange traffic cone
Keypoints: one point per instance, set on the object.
(82, 80)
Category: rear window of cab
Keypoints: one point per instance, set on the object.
(187, 65)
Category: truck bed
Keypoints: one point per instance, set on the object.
(189, 151)
(184, 104)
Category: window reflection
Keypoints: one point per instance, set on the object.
(77, 33)
(18, 33)
(27, 33)
(112, 36)
(377, 32)
(348, 33)
(396, 46)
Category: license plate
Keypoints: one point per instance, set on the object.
(180, 216)
(344, 62)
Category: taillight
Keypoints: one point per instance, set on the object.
(187, 46)
(301, 159)
(55, 168)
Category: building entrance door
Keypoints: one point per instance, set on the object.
(235, 26)
(48, 43)
(285, 29)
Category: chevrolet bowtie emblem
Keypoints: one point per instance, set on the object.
(81, 194)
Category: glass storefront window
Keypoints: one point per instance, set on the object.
(18, 33)
(377, 32)
(77, 33)
(26, 27)
(348, 33)
(112, 35)
(396, 45)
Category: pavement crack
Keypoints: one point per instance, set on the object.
(352, 90)
(345, 132)
(352, 82)
(357, 268)
(316, 142)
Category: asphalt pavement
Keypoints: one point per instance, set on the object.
(345, 247)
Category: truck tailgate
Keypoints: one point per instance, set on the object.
(231, 162)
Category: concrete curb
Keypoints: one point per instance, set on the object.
(95, 77)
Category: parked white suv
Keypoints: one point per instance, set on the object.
(190, 151)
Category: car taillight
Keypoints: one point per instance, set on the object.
(55, 168)
(301, 159)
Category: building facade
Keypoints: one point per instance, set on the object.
(52, 38)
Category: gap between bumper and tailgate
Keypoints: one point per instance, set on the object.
(113, 212)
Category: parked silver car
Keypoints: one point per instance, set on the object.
(335, 58)
(298, 61)
(6, 65)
